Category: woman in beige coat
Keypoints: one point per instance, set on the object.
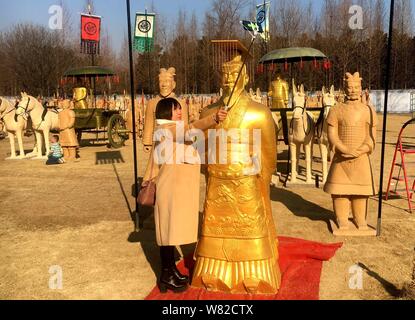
(175, 165)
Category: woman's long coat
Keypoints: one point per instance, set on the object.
(176, 211)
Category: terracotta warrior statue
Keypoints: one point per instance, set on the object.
(167, 86)
(279, 92)
(351, 132)
(238, 250)
(67, 135)
(79, 98)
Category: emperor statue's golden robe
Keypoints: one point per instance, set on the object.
(238, 249)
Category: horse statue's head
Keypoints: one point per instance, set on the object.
(299, 98)
(5, 105)
(258, 93)
(255, 95)
(25, 105)
(329, 98)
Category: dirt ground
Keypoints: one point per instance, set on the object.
(78, 217)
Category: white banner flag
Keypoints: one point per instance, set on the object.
(144, 32)
(262, 19)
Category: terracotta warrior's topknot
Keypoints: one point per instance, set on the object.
(352, 78)
(167, 73)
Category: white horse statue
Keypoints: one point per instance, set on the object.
(43, 122)
(329, 100)
(301, 132)
(256, 96)
(14, 125)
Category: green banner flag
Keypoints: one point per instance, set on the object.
(144, 32)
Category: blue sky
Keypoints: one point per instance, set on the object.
(112, 11)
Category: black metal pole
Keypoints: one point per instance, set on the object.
(385, 116)
(93, 84)
(147, 51)
(130, 54)
(267, 78)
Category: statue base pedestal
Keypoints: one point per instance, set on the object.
(353, 231)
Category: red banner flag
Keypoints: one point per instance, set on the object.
(91, 28)
(90, 33)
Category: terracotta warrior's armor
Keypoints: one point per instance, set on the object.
(67, 133)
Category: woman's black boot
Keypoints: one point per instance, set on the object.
(169, 252)
(169, 279)
(176, 271)
(180, 276)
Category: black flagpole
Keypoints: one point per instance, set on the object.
(132, 88)
(385, 116)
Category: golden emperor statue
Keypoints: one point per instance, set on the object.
(79, 98)
(238, 250)
(279, 92)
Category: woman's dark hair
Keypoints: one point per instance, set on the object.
(164, 110)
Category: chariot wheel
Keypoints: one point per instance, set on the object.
(117, 131)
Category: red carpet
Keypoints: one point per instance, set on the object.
(300, 262)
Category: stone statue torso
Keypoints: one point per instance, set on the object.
(353, 120)
(352, 176)
(67, 133)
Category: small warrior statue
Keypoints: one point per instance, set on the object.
(167, 86)
(351, 132)
(278, 91)
(67, 133)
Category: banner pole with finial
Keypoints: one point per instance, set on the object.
(130, 55)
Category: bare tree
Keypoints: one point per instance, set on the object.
(226, 15)
(35, 58)
(291, 21)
